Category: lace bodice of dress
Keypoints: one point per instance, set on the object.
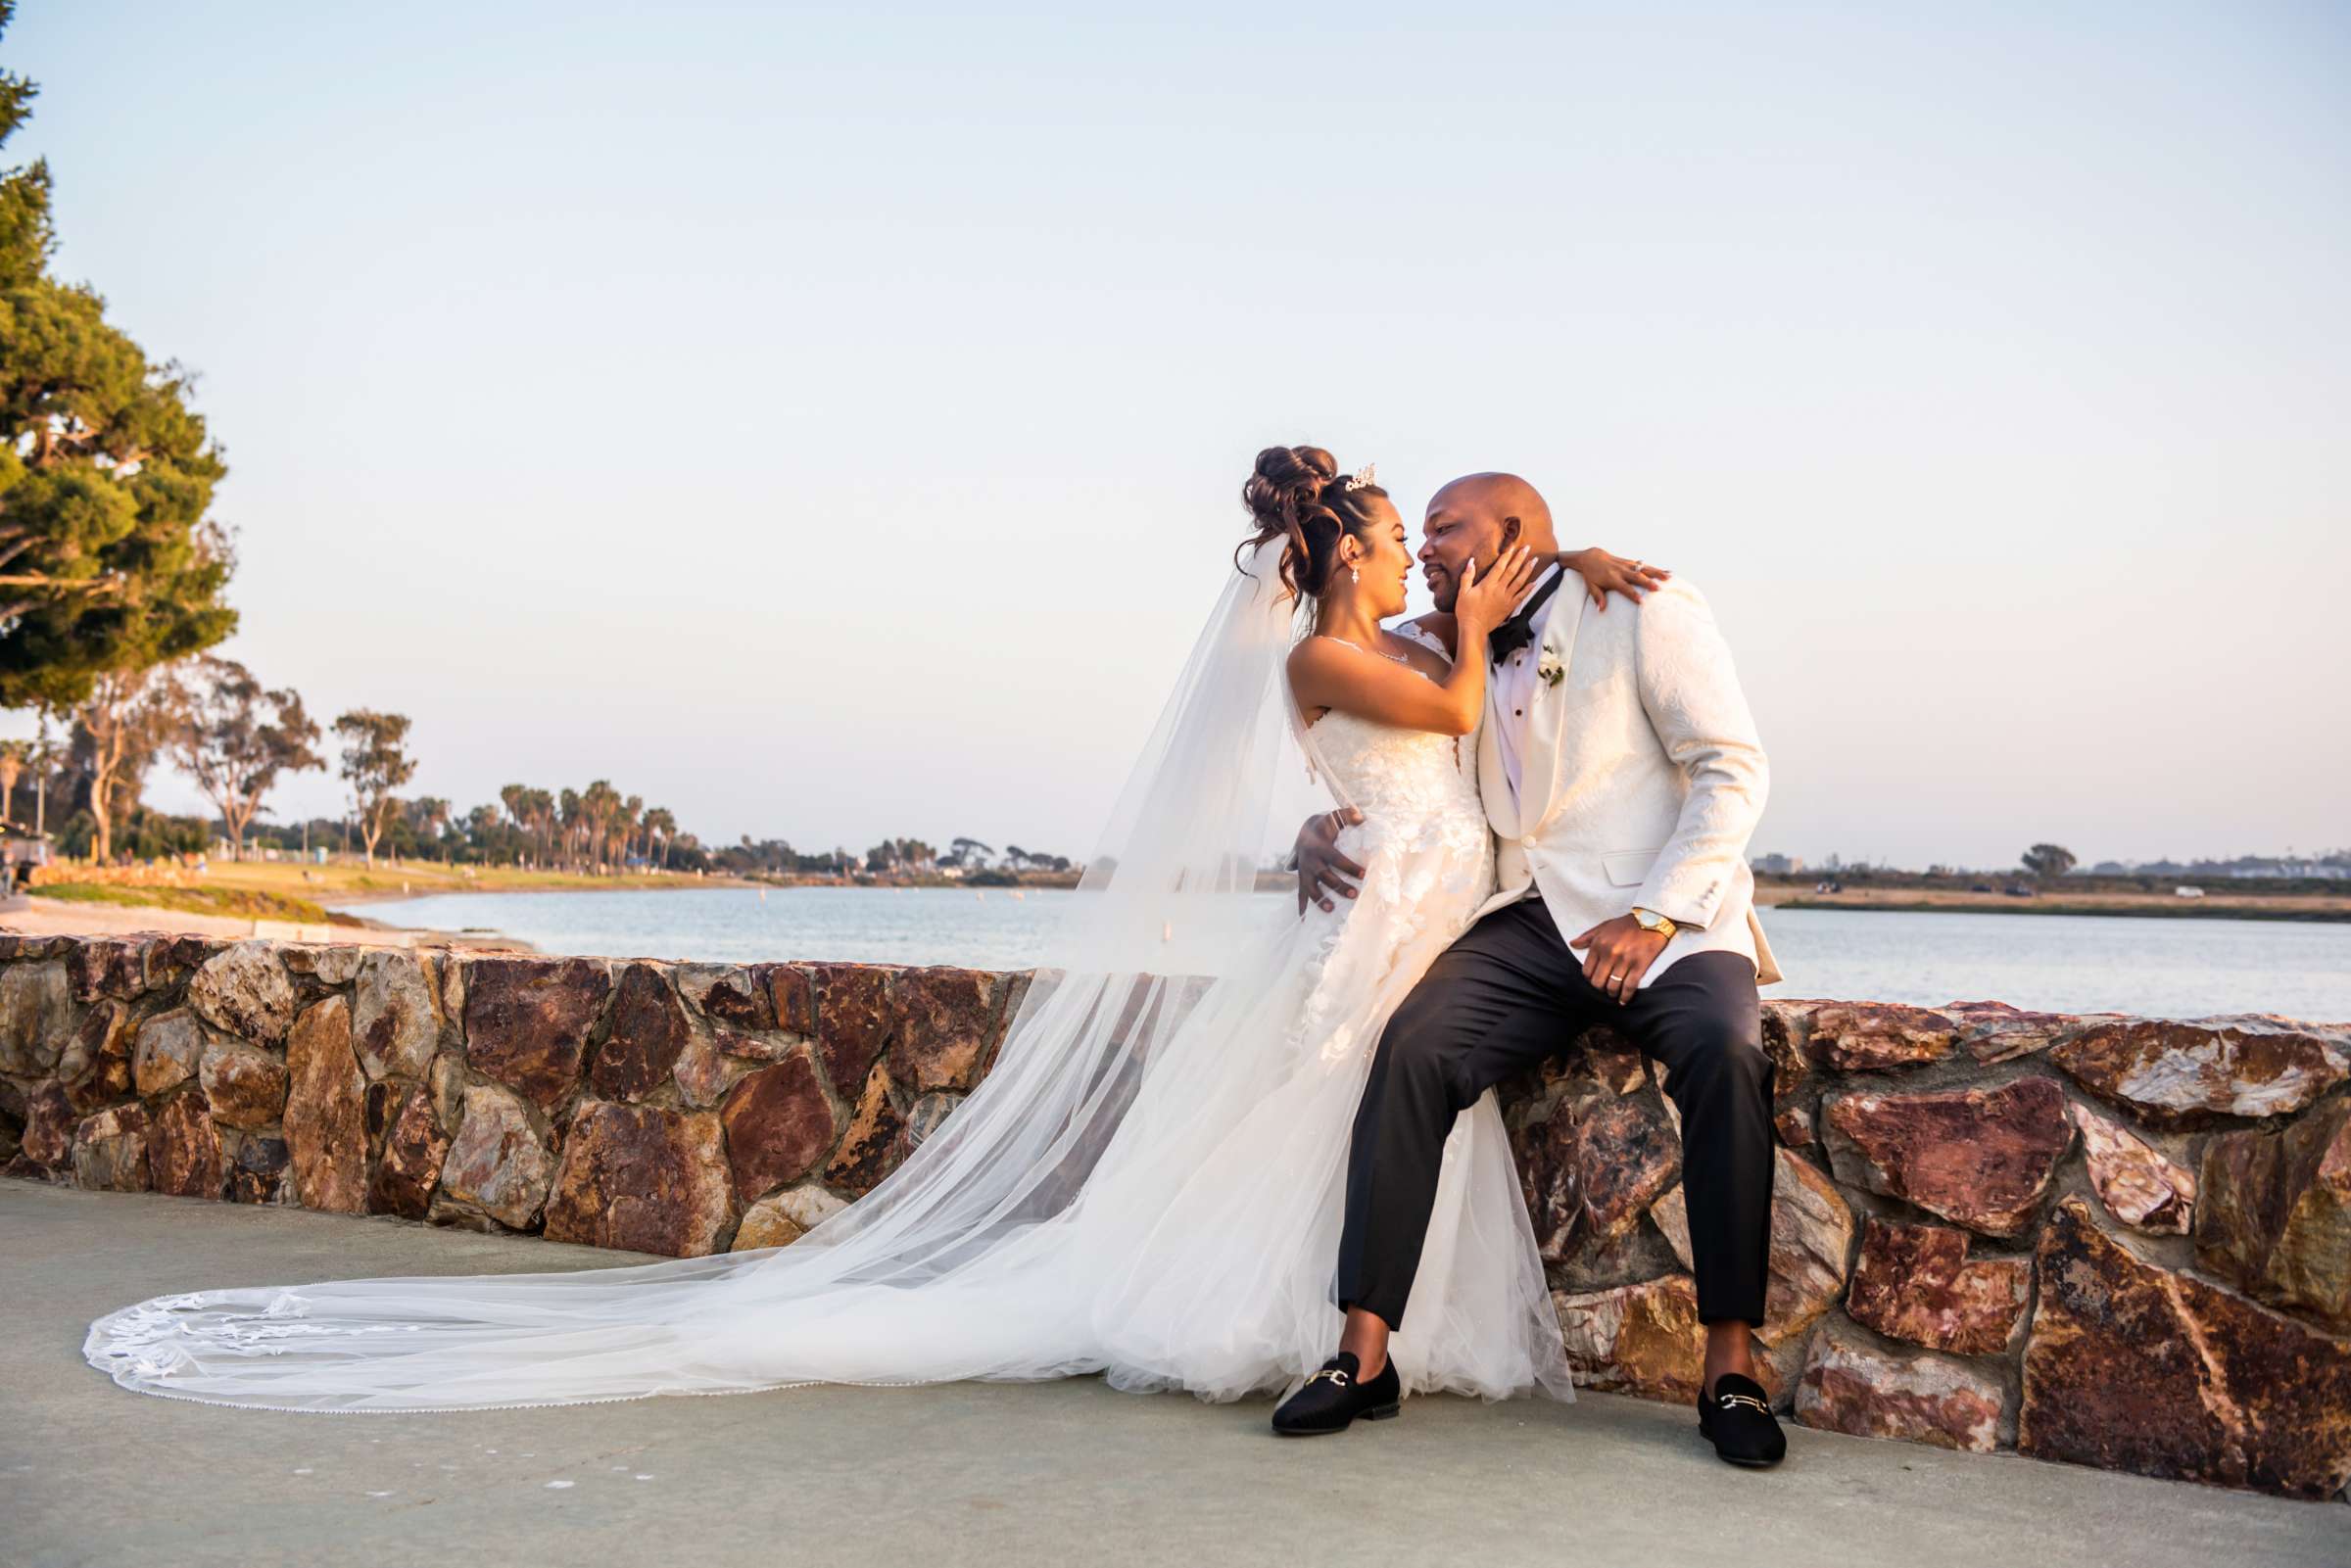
(1392, 772)
(1428, 864)
(1417, 797)
(1405, 782)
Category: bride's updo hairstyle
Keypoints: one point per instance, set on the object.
(1297, 493)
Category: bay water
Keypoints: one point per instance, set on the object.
(2059, 962)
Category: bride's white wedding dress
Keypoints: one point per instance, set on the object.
(1148, 1185)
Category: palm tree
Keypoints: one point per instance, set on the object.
(567, 813)
(517, 799)
(428, 816)
(632, 818)
(660, 827)
(44, 758)
(12, 758)
(599, 813)
(481, 824)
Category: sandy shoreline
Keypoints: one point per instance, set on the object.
(32, 915)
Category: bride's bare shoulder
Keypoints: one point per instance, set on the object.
(1318, 658)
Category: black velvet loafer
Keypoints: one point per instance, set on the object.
(1737, 1418)
(1333, 1397)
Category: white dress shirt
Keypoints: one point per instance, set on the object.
(1514, 681)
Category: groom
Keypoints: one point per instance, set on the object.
(1622, 778)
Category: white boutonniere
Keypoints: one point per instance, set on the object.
(1551, 669)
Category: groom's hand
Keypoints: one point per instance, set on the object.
(1621, 953)
(1321, 868)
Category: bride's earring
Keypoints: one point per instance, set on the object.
(1353, 576)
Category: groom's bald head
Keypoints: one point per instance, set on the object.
(1477, 517)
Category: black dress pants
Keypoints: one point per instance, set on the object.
(1509, 993)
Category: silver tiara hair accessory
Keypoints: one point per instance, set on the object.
(1369, 474)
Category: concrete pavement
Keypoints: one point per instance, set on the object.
(965, 1474)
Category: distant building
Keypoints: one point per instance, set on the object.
(2333, 868)
(2287, 867)
(1777, 865)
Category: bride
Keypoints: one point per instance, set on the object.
(1148, 1184)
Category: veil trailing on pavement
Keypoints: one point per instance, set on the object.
(1165, 934)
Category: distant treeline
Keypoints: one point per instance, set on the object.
(594, 829)
(2046, 863)
(1938, 879)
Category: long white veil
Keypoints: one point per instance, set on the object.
(1159, 938)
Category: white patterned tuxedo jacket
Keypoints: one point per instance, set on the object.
(1642, 775)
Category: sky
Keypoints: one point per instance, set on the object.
(828, 421)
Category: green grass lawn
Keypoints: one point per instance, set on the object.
(296, 880)
(245, 903)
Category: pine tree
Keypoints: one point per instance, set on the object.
(109, 563)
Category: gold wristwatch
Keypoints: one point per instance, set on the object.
(1650, 921)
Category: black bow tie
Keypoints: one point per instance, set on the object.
(1520, 629)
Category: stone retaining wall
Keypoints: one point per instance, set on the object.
(2114, 1241)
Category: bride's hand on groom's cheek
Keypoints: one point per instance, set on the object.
(1621, 951)
(1321, 869)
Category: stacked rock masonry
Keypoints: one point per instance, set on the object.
(2118, 1242)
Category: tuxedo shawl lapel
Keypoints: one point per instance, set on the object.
(1515, 816)
(1493, 781)
(1545, 734)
